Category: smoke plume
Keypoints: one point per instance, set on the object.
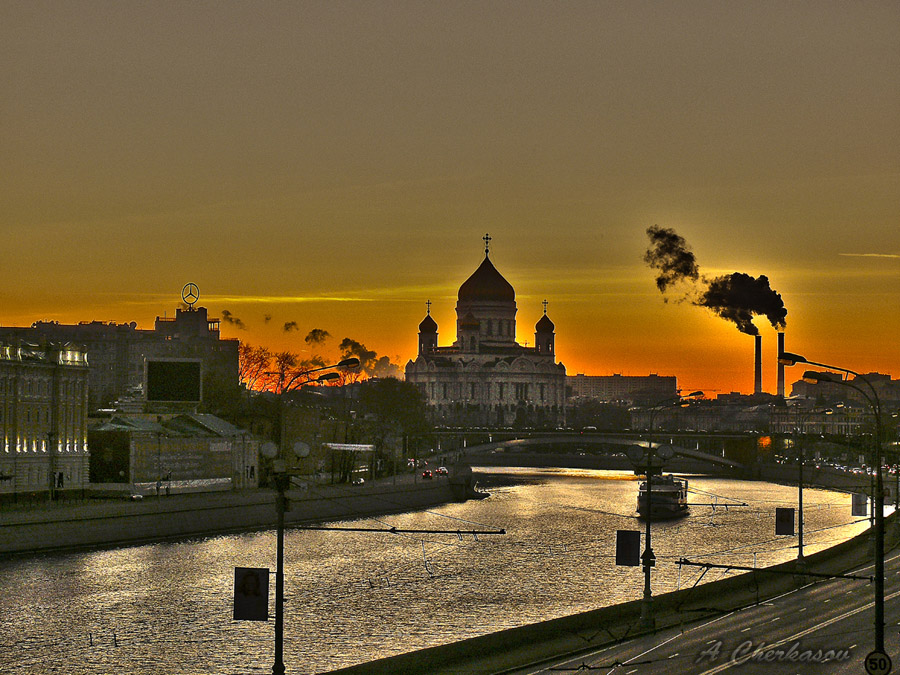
(316, 336)
(230, 318)
(670, 254)
(737, 297)
(290, 326)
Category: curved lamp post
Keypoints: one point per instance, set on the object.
(644, 461)
(282, 480)
(789, 359)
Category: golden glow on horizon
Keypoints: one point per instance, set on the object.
(296, 163)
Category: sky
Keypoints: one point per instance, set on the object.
(335, 164)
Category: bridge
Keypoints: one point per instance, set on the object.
(608, 442)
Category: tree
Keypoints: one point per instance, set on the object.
(396, 410)
(253, 364)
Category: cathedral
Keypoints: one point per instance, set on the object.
(486, 378)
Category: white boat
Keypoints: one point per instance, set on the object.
(668, 498)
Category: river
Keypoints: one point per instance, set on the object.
(353, 597)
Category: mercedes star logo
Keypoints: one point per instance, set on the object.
(190, 294)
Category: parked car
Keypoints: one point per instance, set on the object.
(427, 474)
(442, 471)
(358, 481)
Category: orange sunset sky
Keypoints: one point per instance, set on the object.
(337, 163)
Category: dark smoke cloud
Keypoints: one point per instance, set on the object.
(290, 326)
(737, 297)
(267, 318)
(230, 318)
(670, 254)
(317, 336)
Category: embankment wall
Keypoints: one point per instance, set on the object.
(119, 524)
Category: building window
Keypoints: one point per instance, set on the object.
(490, 327)
(472, 386)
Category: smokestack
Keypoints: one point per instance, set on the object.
(780, 365)
(757, 379)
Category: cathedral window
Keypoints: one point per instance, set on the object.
(472, 385)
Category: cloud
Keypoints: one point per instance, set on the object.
(870, 255)
(290, 326)
(229, 318)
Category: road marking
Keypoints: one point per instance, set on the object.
(803, 633)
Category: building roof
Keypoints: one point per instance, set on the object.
(428, 325)
(544, 325)
(487, 284)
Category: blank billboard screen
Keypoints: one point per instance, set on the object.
(173, 381)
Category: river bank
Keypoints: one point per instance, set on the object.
(109, 524)
(52, 527)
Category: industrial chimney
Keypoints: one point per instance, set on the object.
(780, 365)
(757, 379)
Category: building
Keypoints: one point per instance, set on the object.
(181, 453)
(118, 353)
(622, 388)
(43, 418)
(486, 378)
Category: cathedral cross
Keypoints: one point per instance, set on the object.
(487, 243)
(545, 306)
(428, 306)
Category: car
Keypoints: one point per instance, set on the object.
(359, 481)
(427, 474)
(442, 471)
(136, 497)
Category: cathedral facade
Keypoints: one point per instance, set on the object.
(486, 378)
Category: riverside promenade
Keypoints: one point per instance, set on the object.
(49, 526)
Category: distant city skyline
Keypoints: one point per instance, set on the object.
(334, 166)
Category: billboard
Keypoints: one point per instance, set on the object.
(173, 379)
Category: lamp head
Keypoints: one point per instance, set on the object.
(814, 377)
(328, 377)
(352, 362)
(790, 359)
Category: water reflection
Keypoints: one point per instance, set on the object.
(352, 597)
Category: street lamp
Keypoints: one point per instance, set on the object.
(801, 446)
(282, 480)
(789, 359)
(644, 461)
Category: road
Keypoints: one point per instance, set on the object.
(824, 627)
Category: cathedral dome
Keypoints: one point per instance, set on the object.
(428, 325)
(544, 325)
(486, 284)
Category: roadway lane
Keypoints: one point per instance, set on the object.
(824, 627)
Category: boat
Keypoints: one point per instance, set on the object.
(668, 498)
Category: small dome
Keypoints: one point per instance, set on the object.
(469, 321)
(544, 325)
(428, 325)
(486, 283)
